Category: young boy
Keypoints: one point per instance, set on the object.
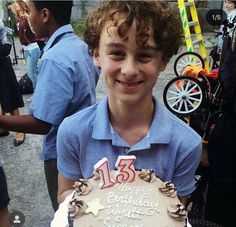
(66, 82)
(131, 41)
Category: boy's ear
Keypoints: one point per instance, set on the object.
(163, 65)
(96, 58)
(45, 14)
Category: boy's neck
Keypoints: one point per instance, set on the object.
(132, 122)
(52, 28)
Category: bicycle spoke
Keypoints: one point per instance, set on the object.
(183, 60)
(194, 99)
(172, 98)
(175, 103)
(191, 104)
(192, 88)
(180, 105)
(174, 93)
(186, 106)
(176, 87)
(195, 93)
(187, 86)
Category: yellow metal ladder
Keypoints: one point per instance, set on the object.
(189, 17)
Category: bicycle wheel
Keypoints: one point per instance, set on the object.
(183, 95)
(187, 59)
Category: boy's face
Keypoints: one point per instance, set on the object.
(129, 71)
(35, 20)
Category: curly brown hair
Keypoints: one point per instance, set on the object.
(148, 14)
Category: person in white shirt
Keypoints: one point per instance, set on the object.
(228, 24)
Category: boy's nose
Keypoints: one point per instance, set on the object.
(129, 67)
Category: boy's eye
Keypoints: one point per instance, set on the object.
(117, 54)
(144, 56)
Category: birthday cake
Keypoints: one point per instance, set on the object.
(144, 201)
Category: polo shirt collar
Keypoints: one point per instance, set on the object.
(101, 126)
(159, 133)
(64, 29)
(161, 128)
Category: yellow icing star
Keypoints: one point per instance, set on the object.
(94, 206)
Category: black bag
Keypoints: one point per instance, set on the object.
(5, 50)
(26, 85)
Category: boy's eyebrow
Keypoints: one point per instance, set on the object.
(113, 44)
(119, 45)
(151, 48)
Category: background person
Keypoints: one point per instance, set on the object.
(10, 96)
(4, 199)
(66, 83)
(28, 39)
(228, 24)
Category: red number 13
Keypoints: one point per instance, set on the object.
(125, 168)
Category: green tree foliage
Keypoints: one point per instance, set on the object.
(78, 26)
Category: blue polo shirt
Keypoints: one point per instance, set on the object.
(171, 148)
(65, 85)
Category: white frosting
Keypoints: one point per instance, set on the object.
(137, 197)
(61, 215)
(136, 204)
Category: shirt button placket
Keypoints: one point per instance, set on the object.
(126, 150)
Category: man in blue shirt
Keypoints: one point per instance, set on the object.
(131, 42)
(66, 82)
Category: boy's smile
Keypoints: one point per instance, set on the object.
(129, 71)
(129, 84)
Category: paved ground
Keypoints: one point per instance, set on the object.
(24, 170)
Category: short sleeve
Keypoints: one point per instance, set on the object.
(53, 94)
(183, 177)
(68, 154)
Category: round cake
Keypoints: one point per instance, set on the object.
(147, 201)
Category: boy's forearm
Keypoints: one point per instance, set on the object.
(184, 200)
(24, 123)
(65, 187)
(61, 197)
